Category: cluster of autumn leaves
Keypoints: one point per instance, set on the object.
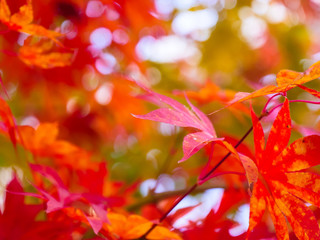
(68, 191)
(279, 174)
(36, 50)
(42, 49)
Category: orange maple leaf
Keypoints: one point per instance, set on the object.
(21, 21)
(211, 92)
(121, 226)
(311, 91)
(286, 80)
(43, 142)
(41, 54)
(134, 226)
(283, 182)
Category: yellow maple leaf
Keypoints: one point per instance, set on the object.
(286, 80)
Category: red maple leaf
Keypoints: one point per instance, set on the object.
(216, 225)
(8, 125)
(283, 181)
(19, 221)
(16, 224)
(65, 198)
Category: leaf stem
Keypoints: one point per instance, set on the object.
(229, 153)
(154, 198)
(176, 202)
(264, 110)
(305, 101)
(270, 111)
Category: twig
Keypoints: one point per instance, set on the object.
(192, 188)
(154, 198)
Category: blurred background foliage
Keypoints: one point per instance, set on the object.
(207, 49)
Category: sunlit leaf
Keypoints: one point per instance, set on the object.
(180, 115)
(286, 80)
(134, 226)
(284, 179)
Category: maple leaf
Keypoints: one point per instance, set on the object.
(43, 142)
(286, 80)
(216, 225)
(282, 180)
(22, 223)
(124, 226)
(65, 198)
(211, 92)
(235, 162)
(41, 54)
(8, 125)
(181, 116)
(21, 21)
(17, 224)
(135, 226)
(311, 91)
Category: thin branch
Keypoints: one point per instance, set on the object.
(291, 101)
(305, 101)
(154, 198)
(192, 188)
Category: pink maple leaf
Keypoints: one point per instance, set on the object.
(179, 115)
(66, 198)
